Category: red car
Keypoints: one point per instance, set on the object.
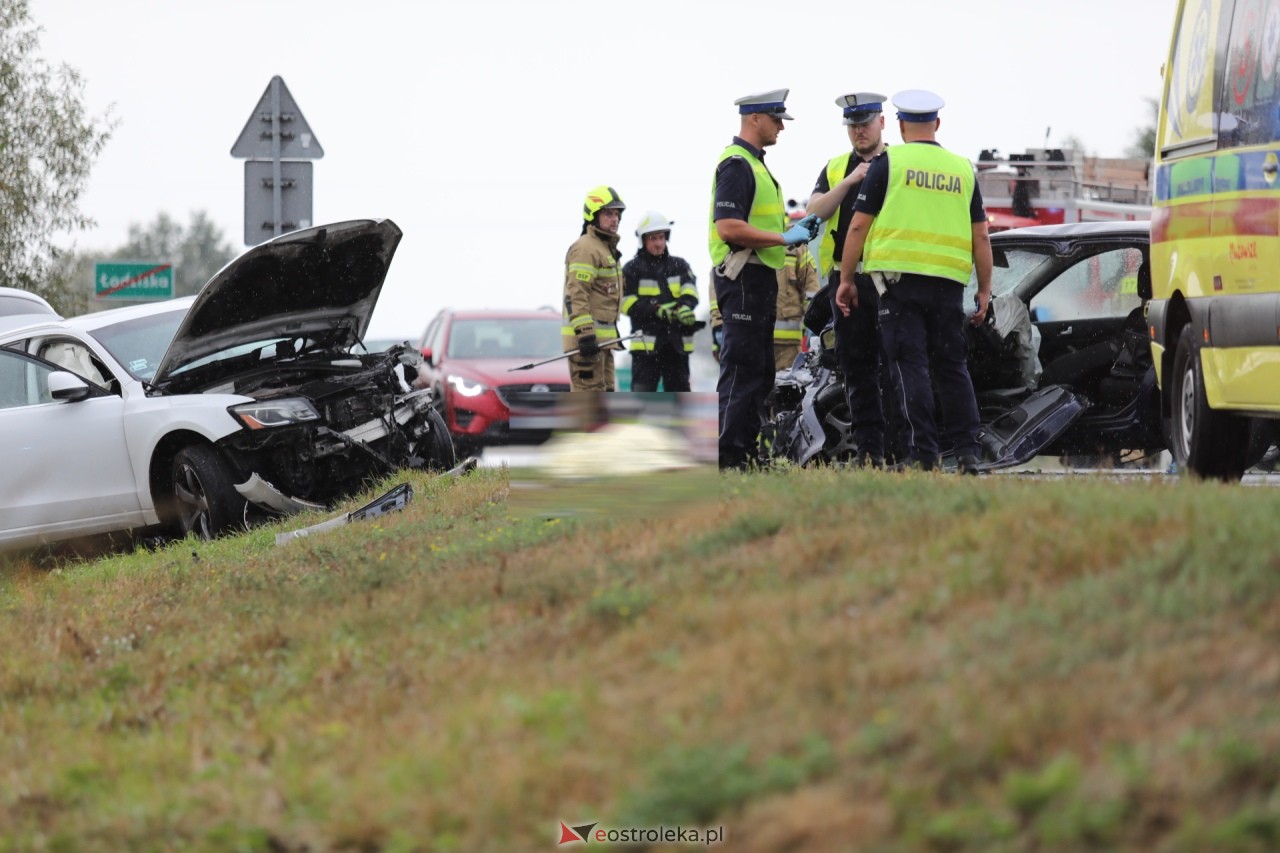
(469, 355)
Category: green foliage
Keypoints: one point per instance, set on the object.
(1143, 145)
(1030, 793)
(48, 144)
(690, 785)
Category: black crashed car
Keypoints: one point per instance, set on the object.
(1062, 366)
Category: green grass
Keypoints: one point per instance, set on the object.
(813, 660)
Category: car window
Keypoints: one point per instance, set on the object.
(1097, 287)
(75, 356)
(1008, 269)
(23, 381)
(530, 337)
(140, 343)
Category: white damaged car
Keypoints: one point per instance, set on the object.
(195, 415)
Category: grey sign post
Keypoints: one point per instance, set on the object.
(277, 187)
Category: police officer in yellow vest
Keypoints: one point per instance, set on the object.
(919, 229)
(748, 239)
(858, 335)
(593, 293)
(797, 284)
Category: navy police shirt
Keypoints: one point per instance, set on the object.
(876, 183)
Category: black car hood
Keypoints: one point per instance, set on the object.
(321, 283)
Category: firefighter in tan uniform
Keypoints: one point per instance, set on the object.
(593, 293)
(797, 283)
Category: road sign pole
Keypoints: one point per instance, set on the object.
(277, 206)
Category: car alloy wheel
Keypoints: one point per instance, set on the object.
(205, 501)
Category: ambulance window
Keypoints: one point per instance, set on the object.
(1250, 85)
(1193, 86)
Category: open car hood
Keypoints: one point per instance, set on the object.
(320, 283)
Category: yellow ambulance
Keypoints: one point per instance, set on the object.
(1215, 235)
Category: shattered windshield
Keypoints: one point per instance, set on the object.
(1010, 267)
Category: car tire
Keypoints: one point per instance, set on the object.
(205, 500)
(1207, 443)
(441, 455)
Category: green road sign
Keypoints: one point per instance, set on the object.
(145, 280)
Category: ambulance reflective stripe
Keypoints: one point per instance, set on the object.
(766, 211)
(924, 224)
(837, 167)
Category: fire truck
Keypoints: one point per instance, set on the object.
(1051, 186)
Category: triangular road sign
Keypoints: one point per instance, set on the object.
(297, 142)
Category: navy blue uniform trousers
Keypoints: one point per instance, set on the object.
(858, 354)
(922, 325)
(749, 307)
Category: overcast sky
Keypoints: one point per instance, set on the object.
(478, 126)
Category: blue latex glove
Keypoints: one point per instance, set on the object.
(797, 234)
(717, 337)
(813, 223)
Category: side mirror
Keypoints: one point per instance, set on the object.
(426, 354)
(67, 386)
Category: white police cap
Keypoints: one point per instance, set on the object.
(770, 103)
(861, 107)
(917, 105)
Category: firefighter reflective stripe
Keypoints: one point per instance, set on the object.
(787, 330)
(628, 302)
(604, 331)
(767, 212)
(648, 287)
(643, 344)
(924, 224)
(679, 287)
(582, 272)
(575, 324)
(837, 167)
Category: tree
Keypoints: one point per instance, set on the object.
(1144, 138)
(47, 147)
(197, 251)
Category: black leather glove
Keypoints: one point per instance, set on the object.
(587, 343)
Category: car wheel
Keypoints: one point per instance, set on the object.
(1207, 443)
(832, 409)
(205, 501)
(441, 455)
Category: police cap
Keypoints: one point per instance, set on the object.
(917, 105)
(772, 103)
(861, 107)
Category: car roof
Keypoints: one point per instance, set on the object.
(497, 313)
(38, 304)
(98, 319)
(1126, 228)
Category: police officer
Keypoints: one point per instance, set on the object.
(659, 293)
(748, 239)
(919, 228)
(858, 334)
(592, 293)
(797, 284)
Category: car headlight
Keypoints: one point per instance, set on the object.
(273, 413)
(467, 388)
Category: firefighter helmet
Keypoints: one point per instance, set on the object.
(601, 198)
(652, 223)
